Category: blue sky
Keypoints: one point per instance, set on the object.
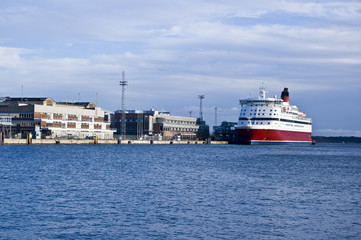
(173, 51)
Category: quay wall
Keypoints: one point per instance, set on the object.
(102, 141)
(43, 141)
(75, 141)
(108, 141)
(15, 141)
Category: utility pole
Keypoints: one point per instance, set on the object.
(190, 113)
(123, 83)
(201, 97)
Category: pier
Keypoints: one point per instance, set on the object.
(29, 141)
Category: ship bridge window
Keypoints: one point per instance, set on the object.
(271, 110)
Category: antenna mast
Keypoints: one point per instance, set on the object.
(215, 116)
(201, 97)
(123, 83)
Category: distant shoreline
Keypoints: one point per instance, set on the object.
(321, 139)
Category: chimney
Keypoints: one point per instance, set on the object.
(285, 95)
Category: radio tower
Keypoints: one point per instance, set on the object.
(123, 83)
(201, 97)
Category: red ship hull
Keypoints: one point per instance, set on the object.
(273, 136)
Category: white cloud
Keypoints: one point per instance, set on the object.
(12, 57)
(326, 9)
(173, 51)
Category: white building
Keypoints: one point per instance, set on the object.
(155, 123)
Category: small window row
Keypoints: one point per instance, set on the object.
(258, 123)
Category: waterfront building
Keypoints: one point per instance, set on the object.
(43, 117)
(155, 125)
(203, 130)
(225, 132)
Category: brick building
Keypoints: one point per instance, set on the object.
(47, 118)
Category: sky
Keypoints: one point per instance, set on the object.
(173, 51)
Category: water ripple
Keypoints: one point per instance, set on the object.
(180, 192)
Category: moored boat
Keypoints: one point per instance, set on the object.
(265, 120)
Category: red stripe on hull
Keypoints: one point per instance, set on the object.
(248, 135)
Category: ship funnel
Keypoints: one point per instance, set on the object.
(285, 95)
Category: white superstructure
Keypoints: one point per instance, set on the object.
(272, 118)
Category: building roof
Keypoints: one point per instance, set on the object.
(80, 104)
(43, 101)
(25, 99)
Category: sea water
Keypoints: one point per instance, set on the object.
(180, 192)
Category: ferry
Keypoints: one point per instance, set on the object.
(265, 120)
